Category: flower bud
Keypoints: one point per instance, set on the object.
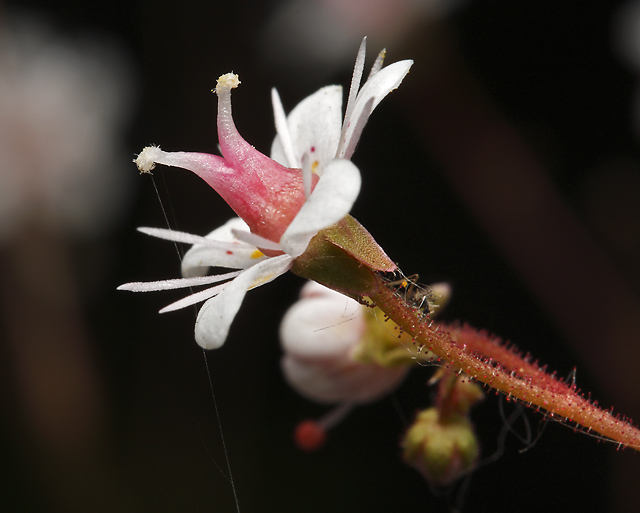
(321, 336)
(442, 450)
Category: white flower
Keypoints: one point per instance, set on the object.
(320, 336)
(63, 104)
(312, 139)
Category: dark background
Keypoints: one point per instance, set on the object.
(543, 84)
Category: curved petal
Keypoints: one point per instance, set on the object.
(371, 94)
(322, 328)
(217, 314)
(221, 248)
(341, 381)
(330, 201)
(314, 126)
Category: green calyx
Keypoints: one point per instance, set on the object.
(344, 257)
(442, 450)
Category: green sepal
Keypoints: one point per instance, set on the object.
(354, 238)
(442, 450)
(344, 257)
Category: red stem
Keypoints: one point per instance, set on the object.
(486, 360)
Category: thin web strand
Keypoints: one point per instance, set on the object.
(224, 443)
(206, 363)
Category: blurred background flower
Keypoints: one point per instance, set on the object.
(515, 164)
(63, 104)
(64, 181)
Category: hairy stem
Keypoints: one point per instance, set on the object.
(486, 360)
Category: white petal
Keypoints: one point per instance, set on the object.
(179, 283)
(217, 314)
(314, 126)
(173, 235)
(341, 381)
(307, 175)
(353, 90)
(330, 201)
(225, 251)
(322, 328)
(282, 128)
(314, 289)
(255, 240)
(377, 65)
(194, 298)
(356, 127)
(225, 233)
(371, 94)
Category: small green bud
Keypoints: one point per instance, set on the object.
(442, 450)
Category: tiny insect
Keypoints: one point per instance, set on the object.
(421, 297)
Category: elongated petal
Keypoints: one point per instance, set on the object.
(187, 238)
(282, 129)
(377, 65)
(217, 314)
(314, 126)
(356, 127)
(178, 283)
(221, 248)
(355, 86)
(196, 297)
(376, 88)
(330, 201)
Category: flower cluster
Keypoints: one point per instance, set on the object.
(337, 350)
(308, 185)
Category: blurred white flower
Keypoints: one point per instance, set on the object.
(626, 33)
(626, 43)
(63, 104)
(320, 336)
(326, 30)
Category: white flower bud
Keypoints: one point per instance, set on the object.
(320, 335)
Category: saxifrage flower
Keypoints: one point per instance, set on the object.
(282, 208)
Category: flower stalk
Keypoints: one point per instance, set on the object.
(293, 215)
(501, 368)
(483, 358)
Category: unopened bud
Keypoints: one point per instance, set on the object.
(442, 450)
(309, 435)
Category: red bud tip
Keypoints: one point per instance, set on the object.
(309, 435)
